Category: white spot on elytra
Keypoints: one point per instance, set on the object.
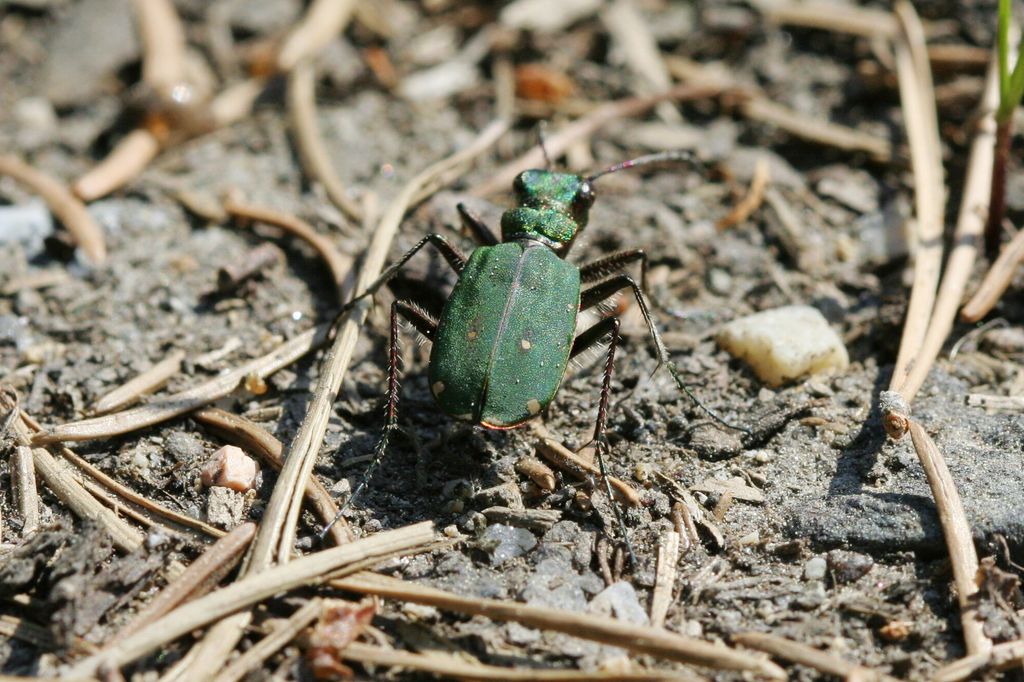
(533, 406)
(526, 344)
(472, 335)
(438, 388)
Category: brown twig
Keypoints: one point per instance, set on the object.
(996, 281)
(567, 460)
(307, 570)
(201, 576)
(839, 17)
(269, 645)
(338, 265)
(1000, 657)
(69, 210)
(127, 493)
(23, 480)
(449, 665)
(959, 543)
(969, 228)
(69, 490)
(819, 660)
(919, 116)
(171, 406)
(996, 402)
(124, 163)
(255, 440)
(664, 577)
(322, 22)
(636, 638)
(751, 201)
(302, 452)
(585, 127)
(146, 382)
(310, 143)
(163, 43)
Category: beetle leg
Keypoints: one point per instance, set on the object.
(477, 227)
(452, 255)
(426, 326)
(608, 327)
(601, 268)
(601, 292)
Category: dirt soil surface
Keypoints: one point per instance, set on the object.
(831, 537)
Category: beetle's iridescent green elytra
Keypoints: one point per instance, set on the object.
(503, 340)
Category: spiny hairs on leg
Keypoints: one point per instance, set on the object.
(674, 371)
(378, 455)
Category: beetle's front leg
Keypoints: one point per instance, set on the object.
(476, 226)
(451, 254)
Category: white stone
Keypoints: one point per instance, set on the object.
(784, 344)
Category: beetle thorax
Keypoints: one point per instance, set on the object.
(550, 207)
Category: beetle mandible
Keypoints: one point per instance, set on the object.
(503, 341)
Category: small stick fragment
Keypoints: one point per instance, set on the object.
(254, 262)
(338, 265)
(839, 17)
(185, 401)
(753, 199)
(322, 22)
(803, 654)
(723, 505)
(126, 161)
(538, 472)
(996, 281)
(146, 382)
(568, 461)
(69, 210)
(996, 402)
(201, 576)
(814, 130)
(959, 541)
(1000, 657)
(163, 42)
(664, 577)
(636, 638)
(457, 667)
(684, 526)
(23, 479)
(269, 645)
(312, 151)
(306, 570)
(127, 493)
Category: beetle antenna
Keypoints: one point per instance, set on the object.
(542, 130)
(670, 155)
(378, 455)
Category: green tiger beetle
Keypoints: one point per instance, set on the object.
(508, 330)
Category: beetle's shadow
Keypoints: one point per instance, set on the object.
(857, 459)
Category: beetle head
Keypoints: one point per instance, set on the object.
(550, 206)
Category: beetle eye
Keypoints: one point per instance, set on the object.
(584, 198)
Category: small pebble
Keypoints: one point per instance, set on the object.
(815, 568)
(784, 344)
(719, 281)
(620, 600)
(848, 566)
(506, 542)
(230, 467)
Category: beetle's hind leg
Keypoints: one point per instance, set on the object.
(601, 292)
(608, 327)
(425, 325)
(476, 226)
